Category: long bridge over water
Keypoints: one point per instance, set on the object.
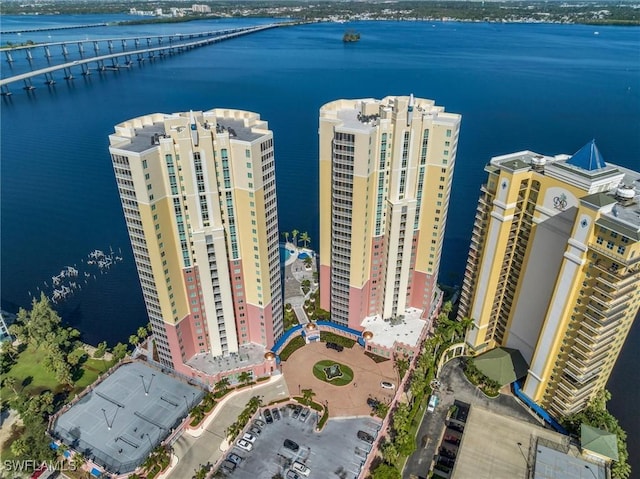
(160, 45)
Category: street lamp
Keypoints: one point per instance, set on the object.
(586, 466)
(525, 457)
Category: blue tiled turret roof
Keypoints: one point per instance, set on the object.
(588, 157)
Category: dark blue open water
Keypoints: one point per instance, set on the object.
(548, 88)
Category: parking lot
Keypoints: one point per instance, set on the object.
(335, 452)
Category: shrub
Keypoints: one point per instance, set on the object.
(294, 344)
(329, 337)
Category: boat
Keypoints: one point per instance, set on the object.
(351, 36)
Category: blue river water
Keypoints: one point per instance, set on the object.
(548, 88)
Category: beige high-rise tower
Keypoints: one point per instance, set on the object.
(385, 176)
(554, 269)
(199, 198)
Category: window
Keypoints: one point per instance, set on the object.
(621, 249)
(609, 245)
(144, 164)
(599, 240)
(448, 133)
(247, 153)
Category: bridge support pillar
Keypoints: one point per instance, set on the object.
(27, 84)
(9, 57)
(29, 55)
(85, 69)
(110, 43)
(47, 52)
(65, 52)
(124, 45)
(96, 47)
(137, 43)
(5, 91)
(80, 48)
(48, 79)
(67, 74)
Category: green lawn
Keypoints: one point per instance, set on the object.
(33, 378)
(347, 372)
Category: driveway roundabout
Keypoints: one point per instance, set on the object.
(333, 372)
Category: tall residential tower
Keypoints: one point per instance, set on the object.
(385, 175)
(199, 199)
(554, 269)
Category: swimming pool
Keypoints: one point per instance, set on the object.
(304, 255)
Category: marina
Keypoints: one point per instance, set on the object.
(72, 278)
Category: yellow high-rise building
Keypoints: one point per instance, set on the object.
(199, 198)
(554, 270)
(385, 176)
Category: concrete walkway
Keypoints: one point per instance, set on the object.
(295, 272)
(202, 446)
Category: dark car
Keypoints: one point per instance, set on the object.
(267, 416)
(296, 411)
(289, 444)
(276, 413)
(255, 430)
(336, 346)
(234, 458)
(373, 403)
(366, 437)
(228, 465)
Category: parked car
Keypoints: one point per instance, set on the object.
(244, 445)
(234, 458)
(276, 413)
(255, 430)
(289, 444)
(304, 414)
(373, 403)
(296, 411)
(267, 416)
(433, 402)
(336, 346)
(300, 468)
(259, 423)
(228, 466)
(387, 385)
(293, 475)
(249, 437)
(366, 437)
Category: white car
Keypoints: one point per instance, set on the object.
(300, 468)
(245, 445)
(249, 437)
(387, 385)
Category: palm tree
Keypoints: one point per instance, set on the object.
(294, 234)
(245, 377)
(142, 332)
(286, 236)
(222, 385)
(78, 460)
(10, 382)
(389, 452)
(134, 340)
(304, 237)
(307, 396)
(254, 403)
(447, 307)
(9, 349)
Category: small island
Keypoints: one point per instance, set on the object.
(351, 36)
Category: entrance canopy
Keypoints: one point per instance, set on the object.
(503, 365)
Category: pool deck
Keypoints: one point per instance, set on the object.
(294, 273)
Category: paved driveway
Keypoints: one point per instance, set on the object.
(456, 386)
(348, 400)
(195, 451)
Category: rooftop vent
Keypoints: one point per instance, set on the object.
(625, 194)
(538, 162)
